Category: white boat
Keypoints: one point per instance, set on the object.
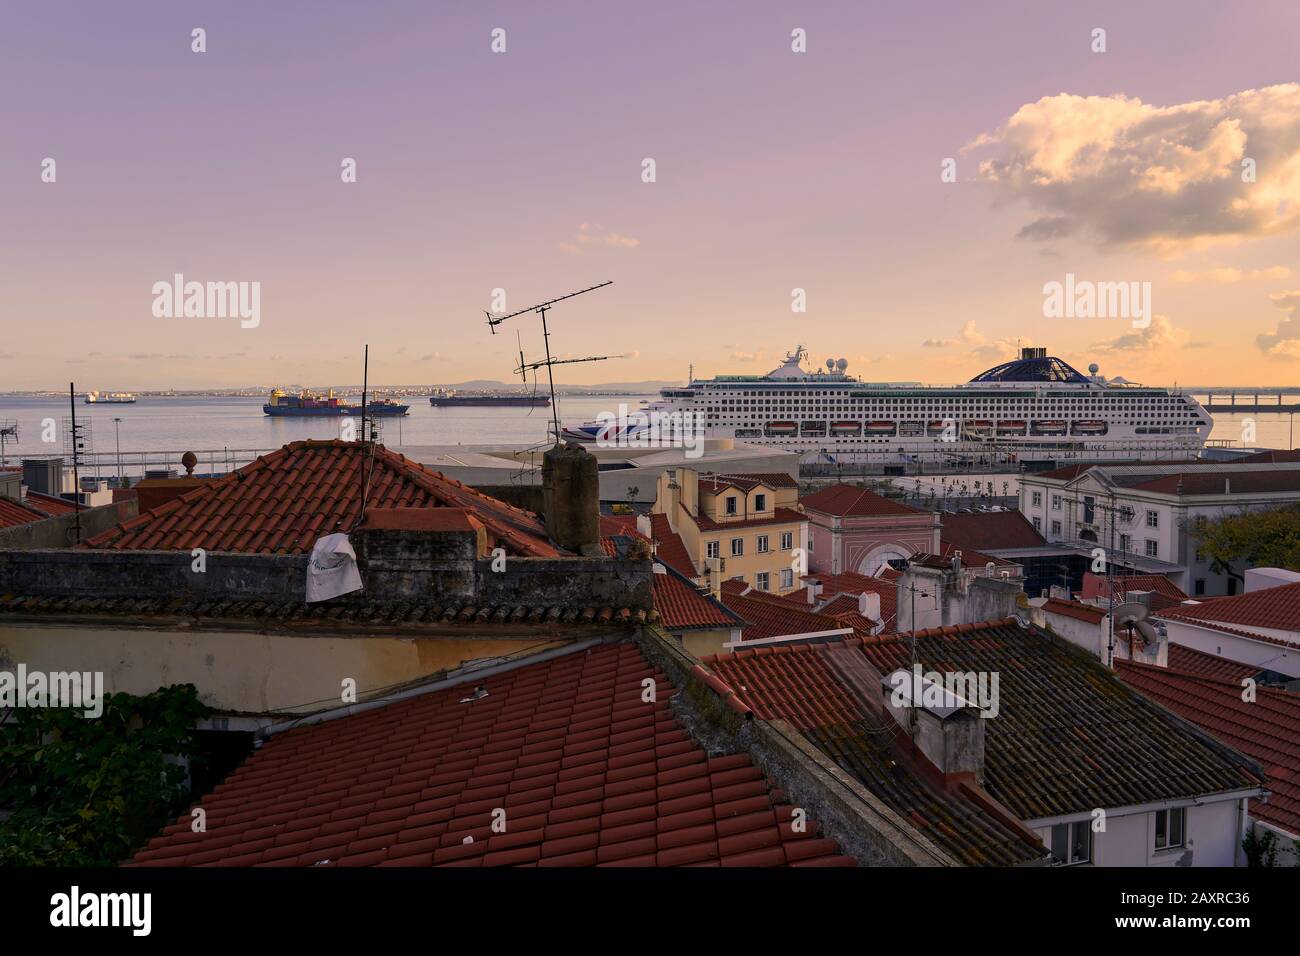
(109, 398)
(1035, 407)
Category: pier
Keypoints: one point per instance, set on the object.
(1248, 400)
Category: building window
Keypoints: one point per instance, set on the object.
(1171, 826)
(787, 540)
(737, 547)
(1072, 843)
(761, 581)
(731, 504)
(1199, 587)
(1037, 498)
(1153, 549)
(1089, 509)
(762, 544)
(1056, 502)
(787, 579)
(1153, 519)
(760, 502)
(1126, 542)
(1038, 524)
(713, 550)
(1056, 529)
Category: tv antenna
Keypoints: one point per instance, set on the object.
(8, 433)
(549, 363)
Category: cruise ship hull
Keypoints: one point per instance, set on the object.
(1034, 409)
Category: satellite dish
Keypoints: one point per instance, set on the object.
(1130, 612)
(841, 364)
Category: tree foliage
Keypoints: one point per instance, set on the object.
(87, 792)
(1235, 542)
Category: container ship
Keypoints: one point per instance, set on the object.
(1033, 408)
(307, 404)
(444, 397)
(109, 398)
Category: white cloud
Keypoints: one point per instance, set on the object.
(1285, 340)
(1227, 275)
(591, 236)
(1168, 177)
(1159, 335)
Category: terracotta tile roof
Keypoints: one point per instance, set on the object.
(989, 530)
(1080, 612)
(767, 617)
(1063, 474)
(1219, 483)
(1229, 629)
(778, 516)
(669, 547)
(681, 605)
(1276, 608)
(851, 501)
(1267, 729)
(50, 504)
(716, 483)
(972, 558)
(852, 583)
(12, 513)
(1191, 661)
(1069, 735)
(1146, 582)
(283, 502)
(586, 772)
(801, 684)
(392, 615)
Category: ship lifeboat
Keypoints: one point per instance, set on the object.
(979, 427)
(781, 428)
(1091, 426)
(846, 428)
(1049, 427)
(937, 428)
(881, 428)
(1011, 427)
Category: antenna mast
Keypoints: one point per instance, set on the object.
(540, 308)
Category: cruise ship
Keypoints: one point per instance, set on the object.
(1034, 408)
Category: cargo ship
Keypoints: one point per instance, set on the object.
(307, 404)
(446, 397)
(109, 398)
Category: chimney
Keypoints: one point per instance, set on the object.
(571, 498)
(956, 562)
(814, 591)
(715, 578)
(948, 729)
(644, 527)
(869, 605)
(1227, 486)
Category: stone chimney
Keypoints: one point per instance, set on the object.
(948, 729)
(715, 577)
(571, 499)
(644, 526)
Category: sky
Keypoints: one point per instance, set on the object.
(524, 171)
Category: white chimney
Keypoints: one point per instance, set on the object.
(643, 526)
(956, 562)
(814, 591)
(869, 605)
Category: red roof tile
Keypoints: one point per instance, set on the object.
(1266, 729)
(284, 501)
(50, 504)
(669, 547)
(989, 530)
(1276, 608)
(716, 483)
(1080, 612)
(1191, 661)
(852, 583)
(768, 616)
(682, 606)
(1220, 483)
(851, 501)
(586, 772)
(12, 513)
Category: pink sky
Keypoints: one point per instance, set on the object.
(522, 171)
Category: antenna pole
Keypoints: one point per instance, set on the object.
(550, 373)
(365, 385)
(76, 457)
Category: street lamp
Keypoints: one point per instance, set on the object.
(117, 435)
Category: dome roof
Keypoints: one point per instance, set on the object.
(1045, 368)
